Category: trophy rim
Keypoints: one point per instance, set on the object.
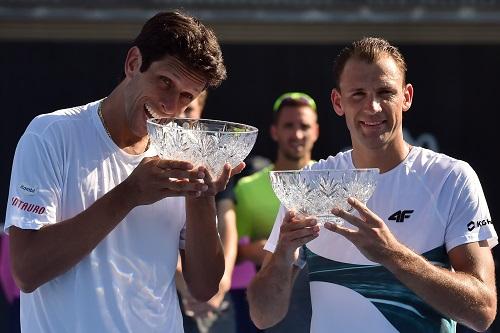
(249, 129)
(369, 170)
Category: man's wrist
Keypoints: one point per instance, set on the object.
(283, 257)
(202, 199)
(399, 258)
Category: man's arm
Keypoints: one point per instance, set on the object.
(467, 294)
(203, 256)
(270, 290)
(253, 251)
(41, 255)
(229, 235)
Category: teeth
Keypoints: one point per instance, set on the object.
(151, 112)
(372, 124)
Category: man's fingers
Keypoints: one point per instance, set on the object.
(289, 215)
(193, 175)
(170, 164)
(239, 168)
(365, 213)
(304, 240)
(346, 232)
(304, 232)
(354, 220)
(226, 173)
(296, 224)
(183, 185)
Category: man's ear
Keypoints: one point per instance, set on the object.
(408, 97)
(337, 105)
(133, 61)
(316, 132)
(273, 131)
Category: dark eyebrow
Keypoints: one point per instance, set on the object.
(351, 91)
(192, 76)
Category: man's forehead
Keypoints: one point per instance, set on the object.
(182, 71)
(293, 112)
(360, 70)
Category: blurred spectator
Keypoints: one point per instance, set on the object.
(295, 130)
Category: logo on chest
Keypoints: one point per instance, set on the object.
(28, 189)
(401, 215)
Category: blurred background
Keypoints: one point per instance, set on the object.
(62, 53)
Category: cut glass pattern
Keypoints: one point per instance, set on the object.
(210, 143)
(316, 192)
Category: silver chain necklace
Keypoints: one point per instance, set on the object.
(99, 112)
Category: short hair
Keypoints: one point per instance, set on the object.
(292, 99)
(184, 37)
(369, 49)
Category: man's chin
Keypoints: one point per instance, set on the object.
(294, 157)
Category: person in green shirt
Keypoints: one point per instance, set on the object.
(295, 130)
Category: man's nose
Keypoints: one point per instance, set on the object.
(299, 133)
(171, 105)
(374, 105)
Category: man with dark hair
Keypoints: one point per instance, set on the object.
(96, 219)
(417, 257)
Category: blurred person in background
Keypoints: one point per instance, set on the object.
(295, 130)
(217, 314)
(417, 257)
(96, 219)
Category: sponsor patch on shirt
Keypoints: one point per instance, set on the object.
(28, 189)
(27, 206)
(477, 224)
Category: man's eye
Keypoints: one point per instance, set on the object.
(166, 81)
(187, 97)
(387, 94)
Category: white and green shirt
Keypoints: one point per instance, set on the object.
(431, 203)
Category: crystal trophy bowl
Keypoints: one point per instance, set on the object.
(316, 192)
(210, 143)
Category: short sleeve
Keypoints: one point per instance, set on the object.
(35, 185)
(272, 241)
(469, 218)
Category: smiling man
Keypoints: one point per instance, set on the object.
(295, 130)
(100, 253)
(408, 261)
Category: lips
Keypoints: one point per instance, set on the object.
(296, 145)
(150, 111)
(372, 123)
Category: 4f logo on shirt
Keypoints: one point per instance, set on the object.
(401, 215)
